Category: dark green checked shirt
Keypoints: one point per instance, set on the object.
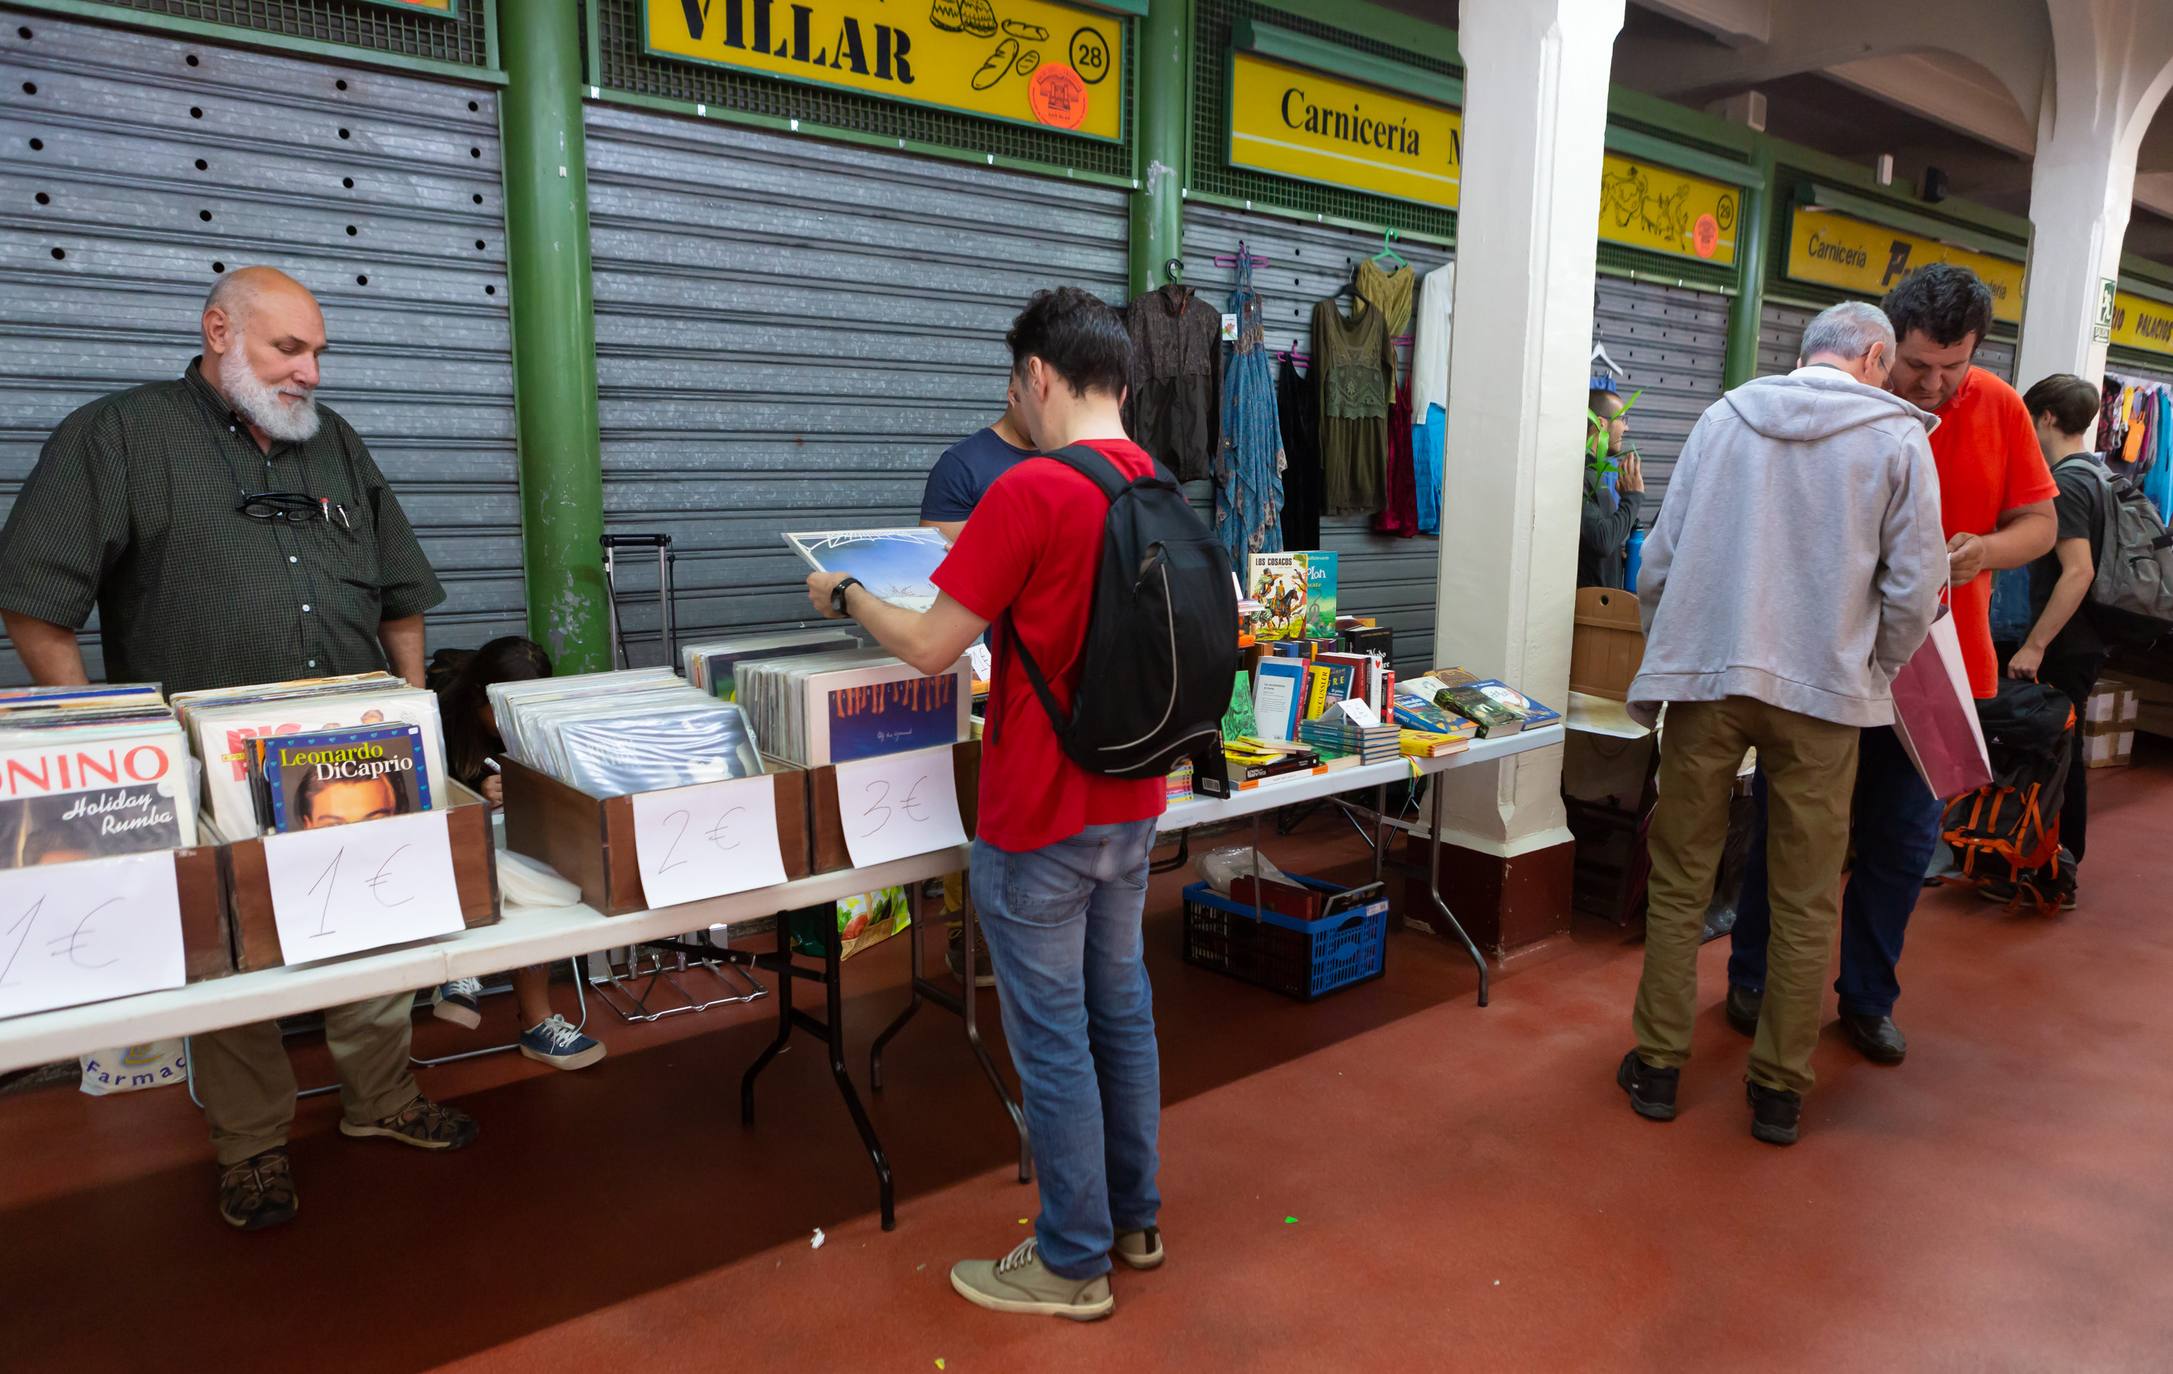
(132, 508)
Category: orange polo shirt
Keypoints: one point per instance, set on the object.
(1989, 463)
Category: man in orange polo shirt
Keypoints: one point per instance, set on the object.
(1996, 499)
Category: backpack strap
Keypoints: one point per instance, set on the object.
(1090, 464)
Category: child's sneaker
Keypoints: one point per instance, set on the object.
(556, 1042)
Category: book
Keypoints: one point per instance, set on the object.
(1320, 593)
(1424, 744)
(1277, 686)
(87, 798)
(709, 664)
(1534, 714)
(1415, 711)
(897, 565)
(1277, 582)
(1493, 716)
(1316, 691)
(1370, 639)
(338, 777)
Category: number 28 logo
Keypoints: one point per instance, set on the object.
(1090, 55)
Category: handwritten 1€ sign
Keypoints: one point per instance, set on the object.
(899, 805)
(342, 889)
(707, 840)
(86, 931)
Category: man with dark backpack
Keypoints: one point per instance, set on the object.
(2088, 591)
(1116, 639)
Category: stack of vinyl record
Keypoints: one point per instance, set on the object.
(374, 748)
(818, 709)
(637, 730)
(709, 665)
(90, 771)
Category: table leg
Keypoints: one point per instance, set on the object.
(833, 1032)
(783, 970)
(1433, 887)
(913, 934)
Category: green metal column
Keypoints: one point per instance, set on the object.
(1164, 44)
(554, 332)
(1747, 312)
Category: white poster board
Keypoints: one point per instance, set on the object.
(343, 889)
(86, 931)
(707, 840)
(899, 805)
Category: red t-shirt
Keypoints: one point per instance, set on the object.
(1989, 463)
(1033, 548)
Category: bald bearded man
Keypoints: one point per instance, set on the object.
(230, 530)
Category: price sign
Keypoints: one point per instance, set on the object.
(707, 840)
(86, 931)
(342, 889)
(898, 805)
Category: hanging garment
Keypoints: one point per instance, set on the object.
(1176, 379)
(1298, 408)
(2132, 450)
(2109, 418)
(1399, 497)
(1430, 394)
(1351, 368)
(1389, 292)
(1249, 467)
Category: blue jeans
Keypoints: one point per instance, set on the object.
(1063, 934)
(1895, 828)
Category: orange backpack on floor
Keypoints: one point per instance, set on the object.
(2009, 829)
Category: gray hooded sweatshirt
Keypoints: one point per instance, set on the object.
(1798, 558)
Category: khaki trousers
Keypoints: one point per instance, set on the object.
(247, 1082)
(1810, 767)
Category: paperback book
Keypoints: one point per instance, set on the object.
(1277, 582)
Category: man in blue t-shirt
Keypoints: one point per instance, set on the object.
(956, 484)
(968, 468)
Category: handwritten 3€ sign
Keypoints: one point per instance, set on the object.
(899, 805)
(86, 931)
(343, 889)
(707, 840)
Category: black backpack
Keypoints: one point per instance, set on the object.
(1161, 641)
(2011, 826)
(2131, 598)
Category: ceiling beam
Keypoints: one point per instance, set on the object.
(1737, 23)
(1946, 91)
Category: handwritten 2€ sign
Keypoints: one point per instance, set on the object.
(899, 805)
(343, 889)
(86, 931)
(707, 840)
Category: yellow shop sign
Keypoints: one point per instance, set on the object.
(1028, 61)
(1313, 127)
(2140, 322)
(1663, 211)
(1866, 259)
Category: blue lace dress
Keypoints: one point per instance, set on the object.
(1249, 464)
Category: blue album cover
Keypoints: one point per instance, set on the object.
(893, 717)
(337, 777)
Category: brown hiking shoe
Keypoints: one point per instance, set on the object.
(422, 1123)
(258, 1192)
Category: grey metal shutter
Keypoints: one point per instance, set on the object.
(137, 166)
(1673, 341)
(1997, 356)
(1780, 336)
(1393, 579)
(789, 332)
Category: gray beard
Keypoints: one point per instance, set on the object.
(260, 404)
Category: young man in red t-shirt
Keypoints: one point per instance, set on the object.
(1060, 861)
(1995, 496)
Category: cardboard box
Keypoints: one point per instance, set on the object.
(1607, 645)
(207, 924)
(826, 828)
(2108, 745)
(249, 888)
(590, 840)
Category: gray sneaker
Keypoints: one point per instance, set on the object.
(1140, 1249)
(1019, 1283)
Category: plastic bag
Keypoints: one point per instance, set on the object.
(1219, 868)
(132, 1068)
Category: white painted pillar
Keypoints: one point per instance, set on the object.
(2112, 64)
(1535, 116)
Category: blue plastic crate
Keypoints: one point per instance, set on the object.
(1301, 959)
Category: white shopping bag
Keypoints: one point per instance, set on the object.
(1935, 715)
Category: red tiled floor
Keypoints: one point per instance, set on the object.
(1468, 1185)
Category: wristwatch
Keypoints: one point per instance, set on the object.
(837, 594)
